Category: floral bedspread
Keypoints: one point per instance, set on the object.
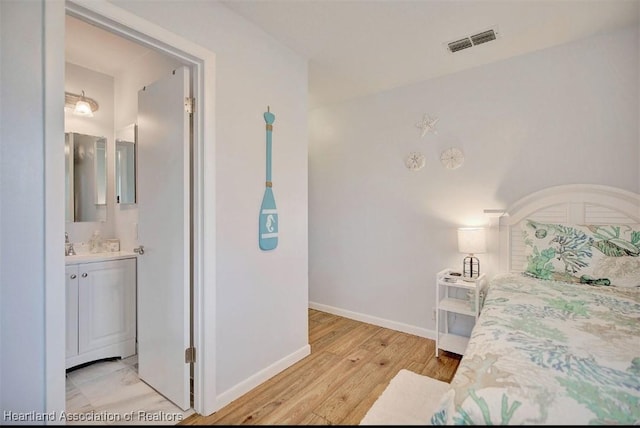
(548, 352)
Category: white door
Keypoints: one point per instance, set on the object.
(163, 232)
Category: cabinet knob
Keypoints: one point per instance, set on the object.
(73, 276)
(84, 275)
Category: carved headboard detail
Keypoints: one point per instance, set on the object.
(568, 204)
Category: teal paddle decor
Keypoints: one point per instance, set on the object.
(268, 231)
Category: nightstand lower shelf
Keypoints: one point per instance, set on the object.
(457, 306)
(453, 343)
(456, 296)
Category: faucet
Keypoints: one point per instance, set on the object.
(68, 246)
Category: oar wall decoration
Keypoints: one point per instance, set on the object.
(268, 231)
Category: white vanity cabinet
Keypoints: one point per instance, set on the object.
(101, 310)
(72, 311)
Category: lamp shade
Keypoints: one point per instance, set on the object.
(472, 240)
(80, 105)
(83, 109)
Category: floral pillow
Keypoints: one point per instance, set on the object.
(588, 254)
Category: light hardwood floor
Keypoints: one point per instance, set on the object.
(350, 365)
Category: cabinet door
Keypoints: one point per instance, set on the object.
(71, 274)
(107, 303)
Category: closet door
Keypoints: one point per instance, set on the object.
(164, 236)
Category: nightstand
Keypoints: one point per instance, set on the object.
(458, 296)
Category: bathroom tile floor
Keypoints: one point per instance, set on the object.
(110, 393)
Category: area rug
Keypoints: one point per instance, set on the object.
(409, 399)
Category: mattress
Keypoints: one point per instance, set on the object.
(549, 352)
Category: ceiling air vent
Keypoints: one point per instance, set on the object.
(458, 45)
(484, 37)
(473, 40)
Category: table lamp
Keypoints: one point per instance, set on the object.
(471, 240)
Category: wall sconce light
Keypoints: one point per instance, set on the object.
(471, 240)
(81, 105)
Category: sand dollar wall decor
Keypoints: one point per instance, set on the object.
(452, 158)
(414, 161)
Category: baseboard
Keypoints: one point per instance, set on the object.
(262, 376)
(381, 322)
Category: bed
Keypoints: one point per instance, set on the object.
(558, 338)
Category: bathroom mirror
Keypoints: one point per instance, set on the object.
(85, 177)
(126, 165)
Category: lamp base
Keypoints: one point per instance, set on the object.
(470, 267)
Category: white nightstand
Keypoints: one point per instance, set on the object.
(449, 300)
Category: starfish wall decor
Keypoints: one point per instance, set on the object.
(427, 124)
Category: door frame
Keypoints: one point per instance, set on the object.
(201, 61)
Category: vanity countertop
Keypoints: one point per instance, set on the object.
(98, 257)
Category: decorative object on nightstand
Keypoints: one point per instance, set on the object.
(455, 295)
(414, 161)
(471, 241)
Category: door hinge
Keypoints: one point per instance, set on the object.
(190, 355)
(189, 104)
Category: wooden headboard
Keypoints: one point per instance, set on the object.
(568, 204)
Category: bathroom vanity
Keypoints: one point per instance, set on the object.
(101, 306)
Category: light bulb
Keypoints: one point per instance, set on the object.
(83, 109)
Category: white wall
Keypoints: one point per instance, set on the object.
(262, 297)
(31, 273)
(379, 233)
(21, 213)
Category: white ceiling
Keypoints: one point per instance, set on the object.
(360, 47)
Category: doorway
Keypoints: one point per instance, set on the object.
(201, 280)
(118, 76)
